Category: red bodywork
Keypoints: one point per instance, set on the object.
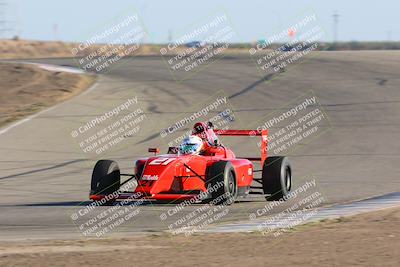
(179, 177)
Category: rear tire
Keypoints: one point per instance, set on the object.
(276, 177)
(221, 182)
(106, 178)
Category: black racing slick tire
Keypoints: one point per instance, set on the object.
(221, 183)
(106, 178)
(276, 177)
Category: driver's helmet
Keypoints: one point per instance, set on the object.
(191, 145)
(206, 133)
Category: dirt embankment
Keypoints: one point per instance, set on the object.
(370, 239)
(13, 49)
(23, 49)
(26, 89)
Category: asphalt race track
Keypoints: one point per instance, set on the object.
(45, 175)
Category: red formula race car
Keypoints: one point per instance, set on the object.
(205, 172)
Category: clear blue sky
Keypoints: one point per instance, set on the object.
(359, 20)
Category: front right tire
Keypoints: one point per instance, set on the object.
(221, 177)
(276, 177)
(106, 178)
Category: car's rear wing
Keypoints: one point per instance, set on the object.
(262, 133)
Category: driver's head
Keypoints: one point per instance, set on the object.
(205, 132)
(191, 145)
(200, 129)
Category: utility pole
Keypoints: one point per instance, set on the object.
(55, 31)
(335, 26)
(389, 36)
(5, 24)
(3, 21)
(169, 36)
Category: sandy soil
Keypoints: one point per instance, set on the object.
(26, 89)
(371, 239)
